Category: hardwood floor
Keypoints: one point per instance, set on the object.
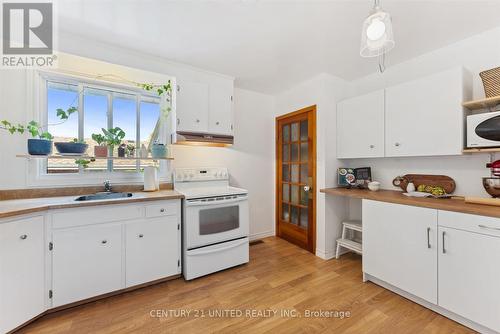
(280, 276)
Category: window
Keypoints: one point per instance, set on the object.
(100, 106)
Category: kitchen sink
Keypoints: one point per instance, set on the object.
(103, 195)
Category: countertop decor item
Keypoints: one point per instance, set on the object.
(443, 181)
(410, 187)
(482, 200)
(374, 186)
(491, 82)
(354, 177)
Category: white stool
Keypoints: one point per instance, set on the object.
(348, 241)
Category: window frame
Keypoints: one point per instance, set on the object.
(37, 170)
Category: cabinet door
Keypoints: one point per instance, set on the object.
(192, 104)
(424, 117)
(468, 275)
(400, 247)
(221, 109)
(86, 262)
(152, 249)
(22, 283)
(360, 126)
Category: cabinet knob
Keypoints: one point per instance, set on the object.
(178, 121)
(23, 237)
(372, 146)
(162, 210)
(141, 235)
(217, 123)
(197, 121)
(397, 144)
(104, 242)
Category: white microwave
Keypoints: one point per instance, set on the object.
(483, 130)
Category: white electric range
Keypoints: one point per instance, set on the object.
(215, 225)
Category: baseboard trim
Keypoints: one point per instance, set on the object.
(325, 255)
(261, 235)
(438, 309)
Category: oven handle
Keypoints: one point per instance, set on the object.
(206, 203)
(216, 250)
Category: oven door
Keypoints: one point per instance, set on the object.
(217, 219)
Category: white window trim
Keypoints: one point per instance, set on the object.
(37, 110)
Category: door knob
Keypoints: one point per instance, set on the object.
(307, 188)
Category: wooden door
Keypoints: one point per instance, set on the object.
(360, 126)
(400, 247)
(296, 177)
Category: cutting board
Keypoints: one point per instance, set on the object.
(444, 181)
(482, 200)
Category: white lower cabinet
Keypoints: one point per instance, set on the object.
(399, 247)
(469, 270)
(22, 261)
(86, 262)
(152, 250)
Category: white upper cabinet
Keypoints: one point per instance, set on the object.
(205, 107)
(221, 109)
(22, 261)
(424, 117)
(192, 106)
(360, 126)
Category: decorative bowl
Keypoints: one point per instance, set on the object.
(71, 148)
(492, 186)
(374, 186)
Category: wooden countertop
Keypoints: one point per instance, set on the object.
(392, 196)
(17, 207)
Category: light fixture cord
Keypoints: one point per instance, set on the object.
(381, 62)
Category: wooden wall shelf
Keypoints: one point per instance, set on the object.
(486, 103)
(28, 156)
(481, 150)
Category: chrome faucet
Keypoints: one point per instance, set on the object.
(107, 186)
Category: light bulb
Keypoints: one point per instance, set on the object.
(375, 30)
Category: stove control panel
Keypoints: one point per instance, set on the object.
(200, 174)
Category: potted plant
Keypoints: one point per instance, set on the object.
(121, 150)
(113, 137)
(74, 147)
(158, 150)
(101, 150)
(130, 150)
(40, 144)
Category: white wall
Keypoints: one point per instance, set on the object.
(476, 54)
(250, 160)
(324, 91)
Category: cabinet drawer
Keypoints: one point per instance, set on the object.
(95, 215)
(472, 223)
(165, 208)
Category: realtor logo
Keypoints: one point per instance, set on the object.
(27, 29)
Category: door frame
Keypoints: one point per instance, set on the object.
(312, 236)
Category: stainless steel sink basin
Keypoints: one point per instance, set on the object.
(103, 195)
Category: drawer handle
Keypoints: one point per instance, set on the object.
(428, 237)
(23, 237)
(162, 210)
(489, 227)
(444, 248)
(141, 235)
(104, 242)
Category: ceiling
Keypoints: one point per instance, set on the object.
(269, 45)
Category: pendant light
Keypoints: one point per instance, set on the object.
(377, 38)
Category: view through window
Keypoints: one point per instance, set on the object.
(136, 114)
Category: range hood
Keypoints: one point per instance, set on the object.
(202, 139)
